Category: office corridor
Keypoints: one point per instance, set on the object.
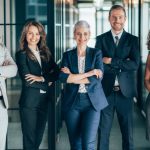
(115, 139)
(58, 18)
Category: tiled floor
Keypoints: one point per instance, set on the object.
(14, 137)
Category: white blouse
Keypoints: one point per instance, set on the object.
(81, 68)
(37, 55)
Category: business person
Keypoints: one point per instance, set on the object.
(147, 86)
(121, 60)
(37, 70)
(82, 71)
(8, 69)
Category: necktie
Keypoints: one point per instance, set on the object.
(117, 40)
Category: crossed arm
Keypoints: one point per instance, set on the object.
(131, 63)
(81, 78)
(9, 68)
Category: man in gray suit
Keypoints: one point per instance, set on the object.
(8, 69)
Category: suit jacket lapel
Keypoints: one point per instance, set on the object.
(88, 59)
(122, 39)
(74, 60)
(36, 61)
(122, 44)
(110, 44)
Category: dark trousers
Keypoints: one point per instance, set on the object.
(124, 109)
(33, 121)
(82, 124)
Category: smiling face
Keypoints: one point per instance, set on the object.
(82, 36)
(117, 20)
(33, 37)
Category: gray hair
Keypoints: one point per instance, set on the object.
(81, 23)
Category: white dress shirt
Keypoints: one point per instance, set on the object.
(37, 55)
(119, 36)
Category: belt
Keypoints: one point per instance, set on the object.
(116, 88)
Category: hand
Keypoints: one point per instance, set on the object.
(5, 63)
(65, 70)
(107, 60)
(97, 72)
(33, 78)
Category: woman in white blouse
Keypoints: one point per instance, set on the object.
(82, 70)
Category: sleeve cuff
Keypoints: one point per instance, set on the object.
(43, 80)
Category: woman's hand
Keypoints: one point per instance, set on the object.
(97, 72)
(65, 70)
(33, 78)
(6, 62)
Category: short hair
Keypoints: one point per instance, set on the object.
(114, 7)
(81, 23)
(148, 41)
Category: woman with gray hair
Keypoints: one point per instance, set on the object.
(82, 71)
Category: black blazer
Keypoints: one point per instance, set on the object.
(30, 94)
(94, 88)
(125, 62)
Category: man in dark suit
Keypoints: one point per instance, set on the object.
(121, 60)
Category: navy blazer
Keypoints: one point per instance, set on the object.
(124, 65)
(30, 95)
(94, 88)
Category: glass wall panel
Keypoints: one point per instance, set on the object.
(8, 6)
(2, 34)
(2, 11)
(102, 21)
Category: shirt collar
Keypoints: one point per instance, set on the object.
(35, 51)
(119, 35)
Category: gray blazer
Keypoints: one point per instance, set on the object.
(8, 69)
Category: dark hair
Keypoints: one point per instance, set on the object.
(44, 50)
(114, 7)
(148, 41)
